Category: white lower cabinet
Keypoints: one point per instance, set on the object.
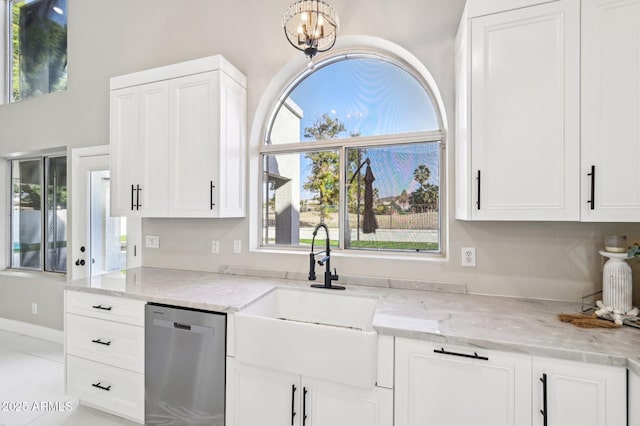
(104, 344)
(570, 393)
(440, 385)
(634, 399)
(265, 397)
(111, 389)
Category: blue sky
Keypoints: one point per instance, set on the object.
(372, 97)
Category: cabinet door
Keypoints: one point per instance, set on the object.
(154, 141)
(331, 404)
(437, 389)
(194, 115)
(126, 151)
(259, 396)
(229, 194)
(611, 110)
(525, 113)
(578, 394)
(634, 399)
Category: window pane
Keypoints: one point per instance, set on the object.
(393, 200)
(56, 232)
(354, 97)
(26, 214)
(39, 47)
(300, 190)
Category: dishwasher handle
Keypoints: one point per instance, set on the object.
(192, 328)
(182, 326)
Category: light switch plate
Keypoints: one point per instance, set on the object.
(152, 241)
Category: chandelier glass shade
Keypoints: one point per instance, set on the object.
(311, 26)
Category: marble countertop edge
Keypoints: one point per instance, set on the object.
(485, 322)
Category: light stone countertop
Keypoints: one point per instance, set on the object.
(489, 322)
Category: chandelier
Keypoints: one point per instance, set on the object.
(311, 26)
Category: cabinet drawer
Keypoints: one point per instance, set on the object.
(112, 308)
(113, 343)
(111, 389)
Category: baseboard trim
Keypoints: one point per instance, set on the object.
(33, 330)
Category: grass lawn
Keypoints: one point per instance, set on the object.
(388, 245)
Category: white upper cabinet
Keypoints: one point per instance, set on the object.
(548, 101)
(178, 136)
(205, 177)
(124, 134)
(520, 158)
(139, 142)
(610, 110)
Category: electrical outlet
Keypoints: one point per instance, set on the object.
(215, 246)
(469, 257)
(152, 241)
(34, 308)
(237, 246)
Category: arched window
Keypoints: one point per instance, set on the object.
(356, 142)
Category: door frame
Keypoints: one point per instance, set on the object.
(79, 206)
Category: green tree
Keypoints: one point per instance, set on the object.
(39, 51)
(324, 178)
(427, 195)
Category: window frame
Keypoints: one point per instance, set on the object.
(342, 144)
(43, 166)
(5, 45)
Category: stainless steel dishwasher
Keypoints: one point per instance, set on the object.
(184, 366)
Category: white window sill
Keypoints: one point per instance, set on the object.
(360, 254)
(21, 273)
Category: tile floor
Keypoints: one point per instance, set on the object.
(32, 376)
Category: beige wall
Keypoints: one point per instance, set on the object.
(113, 37)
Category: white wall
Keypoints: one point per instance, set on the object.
(113, 37)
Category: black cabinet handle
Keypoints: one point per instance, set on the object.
(133, 189)
(80, 262)
(544, 413)
(104, 308)
(138, 205)
(474, 356)
(592, 201)
(293, 403)
(100, 342)
(99, 386)
(211, 188)
(304, 406)
(478, 201)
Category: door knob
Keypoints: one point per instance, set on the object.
(80, 262)
(82, 249)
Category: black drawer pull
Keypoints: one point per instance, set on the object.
(474, 356)
(133, 189)
(544, 411)
(104, 308)
(99, 386)
(304, 406)
(478, 200)
(592, 201)
(293, 403)
(100, 342)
